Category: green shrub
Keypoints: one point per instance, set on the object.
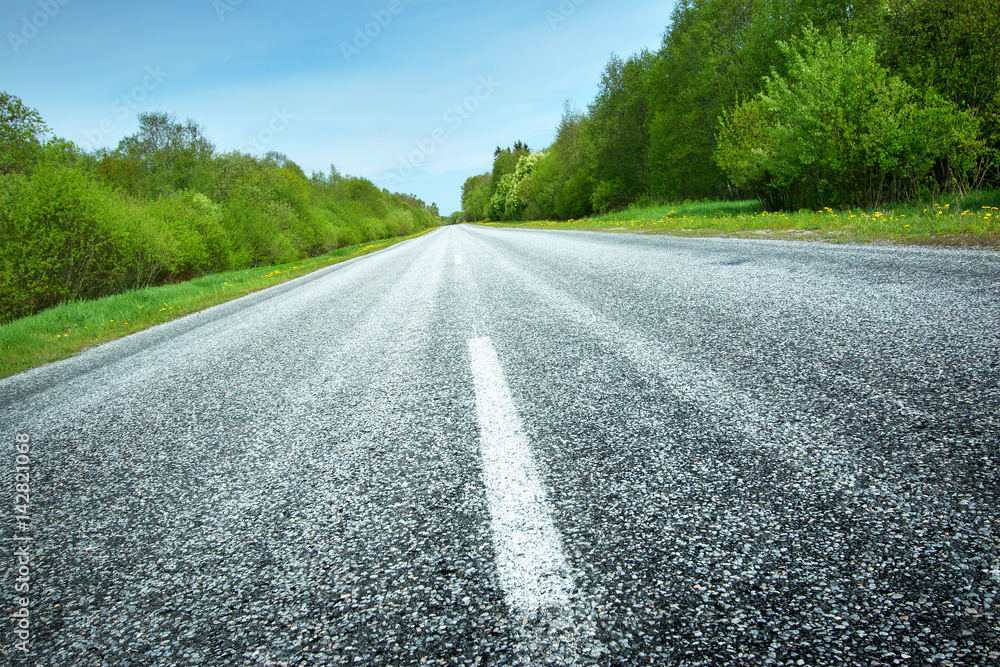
(195, 224)
(373, 229)
(607, 195)
(62, 239)
(350, 235)
(399, 222)
(326, 231)
(839, 129)
(257, 227)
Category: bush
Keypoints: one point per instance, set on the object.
(349, 235)
(608, 195)
(575, 199)
(839, 129)
(78, 226)
(63, 240)
(256, 225)
(195, 225)
(373, 229)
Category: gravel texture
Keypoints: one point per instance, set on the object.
(756, 453)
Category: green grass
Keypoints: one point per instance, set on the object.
(970, 221)
(69, 328)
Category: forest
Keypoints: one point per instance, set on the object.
(799, 104)
(165, 206)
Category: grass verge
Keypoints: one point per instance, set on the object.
(973, 220)
(69, 328)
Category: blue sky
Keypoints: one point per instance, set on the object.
(412, 94)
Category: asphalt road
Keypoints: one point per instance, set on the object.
(499, 447)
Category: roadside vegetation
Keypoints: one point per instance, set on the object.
(165, 207)
(972, 221)
(73, 326)
(810, 115)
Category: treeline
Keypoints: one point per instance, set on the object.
(165, 206)
(798, 103)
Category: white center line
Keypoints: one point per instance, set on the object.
(533, 569)
(458, 259)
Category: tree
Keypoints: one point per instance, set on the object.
(172, 155)
(574, 164)
(21, 132)
(476, 197)
(509, 201)
(504, 163)
(951, 47)
(714, 53)
(620, 131)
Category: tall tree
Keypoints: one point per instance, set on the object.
(172, 155)
(619, 130)
(504, 163)
(476, 197)
(714, 54)
(21, 132)
(952, 47)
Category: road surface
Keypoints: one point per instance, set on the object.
(501, 447)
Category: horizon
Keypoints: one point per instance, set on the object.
(410, 94)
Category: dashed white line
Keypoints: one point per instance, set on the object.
(530, 559)
(458, 260)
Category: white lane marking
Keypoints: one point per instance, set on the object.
(458, 259)
(533, 569)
